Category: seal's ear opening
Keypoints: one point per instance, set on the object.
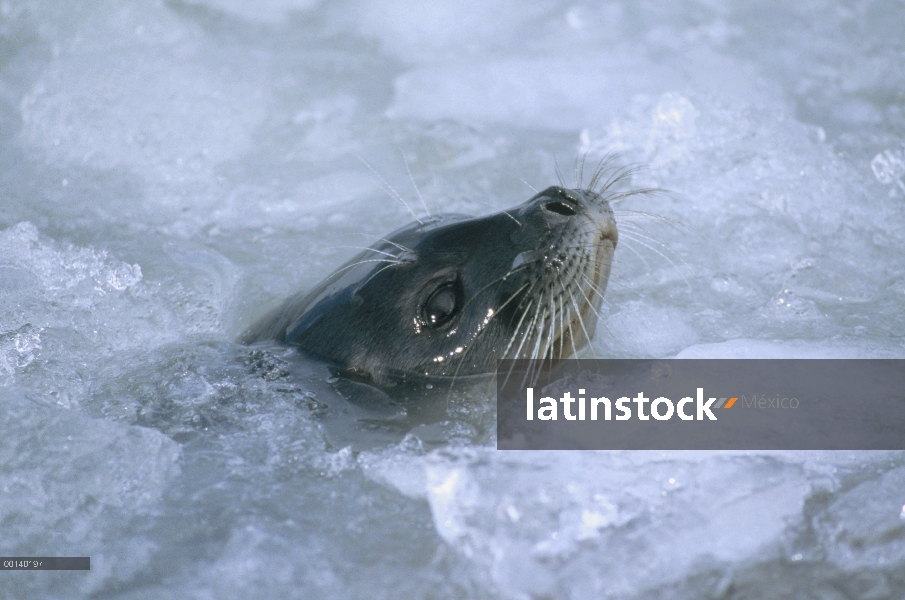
(442, 305)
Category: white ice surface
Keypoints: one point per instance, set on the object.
(170, 170)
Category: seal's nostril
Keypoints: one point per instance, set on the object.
(560, 208)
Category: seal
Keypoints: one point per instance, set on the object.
(450, 295)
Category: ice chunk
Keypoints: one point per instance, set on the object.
(267, 11)
(432, 28)
(159, 107)
(889, 166)
(748, 348)
(21, 247)
(863, 526)
(71, 484)
(544, 92)
(534, 520)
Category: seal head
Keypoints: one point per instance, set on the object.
(449, 296)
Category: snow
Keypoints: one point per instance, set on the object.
(171, 170)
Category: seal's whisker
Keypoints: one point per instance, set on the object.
(533, 336)
(485, 328)
(415, 185)
(579, 169)
(554, 338)
(544, 330)
(632, 232)
(627, 215)
(514, 295)
(378, 260)
(368, 249)
(534, 353)
(639, 232)
(512, 341)
(526, 335)
(495, 281)
(495, 313)
(544, 336)
(551, 336)
(391, 242)
(390, 190)
(588, 300)
(614, 198)
(599, 316)
(631, 229)
(591, 284)
(562, 326)
(613, 176)
(613, 280)
(562, 182)
(572, 334)
(515, 333)
(597, 291)
(378, 272)
(617, 175)
(587, 336)
(540, 346)
(638, 254)
(529, 333)
(517, 222)
(601, 169)
(543, 350)
(531, 187)
(632, 237)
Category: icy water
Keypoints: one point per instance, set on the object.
(171, 170)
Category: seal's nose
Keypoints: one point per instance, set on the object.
(560, 208)
(561, 201)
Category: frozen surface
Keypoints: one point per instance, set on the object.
(170, 170)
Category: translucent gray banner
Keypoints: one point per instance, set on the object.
(701, 404)
(45, 563)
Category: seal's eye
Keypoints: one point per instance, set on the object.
(441, 306)
(560, 208)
